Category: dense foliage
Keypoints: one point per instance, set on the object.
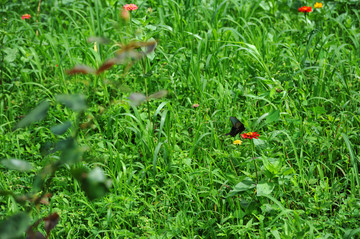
(290, 75)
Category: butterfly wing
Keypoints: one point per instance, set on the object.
(234, 121)
(237, 128)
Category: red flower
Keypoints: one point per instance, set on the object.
(25, 16)
(130, 7)
(244, 136)
(125, 14)
(250, 135)
(305, 9)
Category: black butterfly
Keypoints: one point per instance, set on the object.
(237, 128)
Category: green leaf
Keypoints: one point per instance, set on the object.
(40, 177)
(38, 183)
(259, 142)
(94, 183)
(35, 115)
(319, 110)
(64, 145)
(96, 176)
(272, 165)
(11, 54)
(17, 164)
(61, 128)
(350, 233)
(151, 55)
(273, 116)
(244, 185)
(353, 158)
(15, 226)
(158, 94)
(75, 102)
(50, 147)
(150, 27)
(46, 147)
(263, 189)
(265, 5)
(288, 171)
(70, 155)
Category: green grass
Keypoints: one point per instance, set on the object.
(174, 173)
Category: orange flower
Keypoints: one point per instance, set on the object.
(305, 9)
(25, 16)
(130, 7)
(318, 5)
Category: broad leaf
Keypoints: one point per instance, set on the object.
(35, 115)
(75, 102)
(64, 145)
(264, 189)
(11, 54)
(15, 226)
(273, 116)
(272, 165)
(245, 185)
(17, 164)
(71, 155)
(158, 94)
(259, 142)
(94, 183)
(61, 128)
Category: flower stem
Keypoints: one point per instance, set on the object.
(233, 167)
(146, 89)
(257, 178)
(254, 158)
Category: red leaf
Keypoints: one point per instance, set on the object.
(80, 69)
(107, 65)
(51, 221)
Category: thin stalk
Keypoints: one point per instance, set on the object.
(253, 156)
(233, 167)
(2, 63)
(147, 102)
(79, 117)
(146, 89)
(37, 16)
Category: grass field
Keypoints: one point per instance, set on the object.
(165, 168)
